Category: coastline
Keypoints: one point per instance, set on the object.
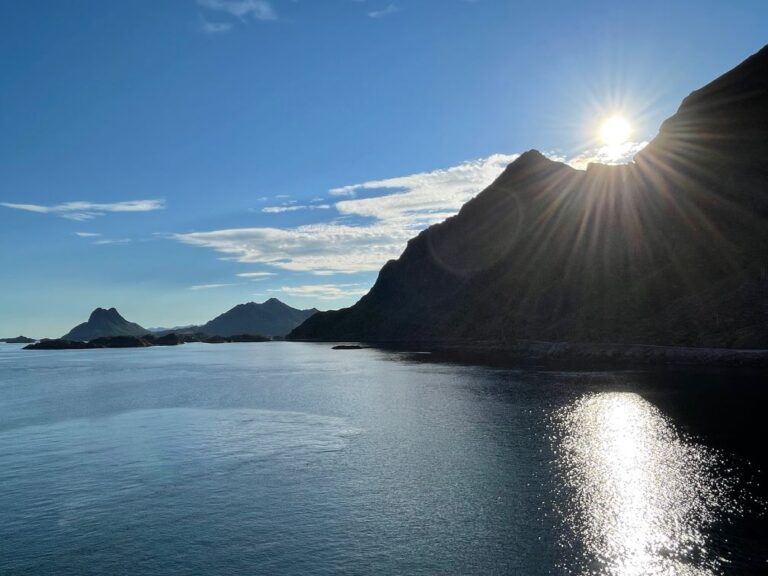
(575, 355)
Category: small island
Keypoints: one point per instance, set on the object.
(145, 341)
(17, 340)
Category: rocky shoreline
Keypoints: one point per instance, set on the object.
(569, 354)
(591, 355)
(141, 342)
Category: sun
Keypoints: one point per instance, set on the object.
(615, 131)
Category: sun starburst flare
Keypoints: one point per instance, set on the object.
(614, 133)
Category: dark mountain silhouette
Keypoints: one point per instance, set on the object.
(271, 318)
(671, 249)
(104, 324)
(18, 340)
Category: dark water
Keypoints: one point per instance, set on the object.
(288, 458)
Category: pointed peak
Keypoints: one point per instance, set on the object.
(531, 155)
(529, 164)
(275, 303)
(270, 302)
(532, 159)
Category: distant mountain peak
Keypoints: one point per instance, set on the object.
(105, 323)
(270, 318)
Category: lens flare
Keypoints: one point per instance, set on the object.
(615, 131)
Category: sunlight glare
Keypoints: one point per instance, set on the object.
(615, 131)
(642, 495)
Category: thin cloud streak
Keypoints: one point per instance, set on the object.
(81, 211)
(294, 208)
(108, 241)
(256, 274)
(207, 286)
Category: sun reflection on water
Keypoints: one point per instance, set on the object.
(640, 496)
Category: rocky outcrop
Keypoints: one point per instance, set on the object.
(167, 340)
(58, 344)
(669, 250)
(104, 342)
(119, 342)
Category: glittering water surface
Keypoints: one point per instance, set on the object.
(638, 495)
(295, 459)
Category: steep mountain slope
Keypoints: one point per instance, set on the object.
(671, 249)
(104, 323)
(271, 318)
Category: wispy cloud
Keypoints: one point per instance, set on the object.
(256, 274)
(324, 291)
(81, 211)
(317, 247)
(207, 286)
(87, 234)
(406, 205)
(107, 241)
(242, 9)
(424, 198)
(294, 208)
(390, 9)
(607, 155)
(215, 27)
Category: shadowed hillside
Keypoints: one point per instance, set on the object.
(270, 318)
(671, 249)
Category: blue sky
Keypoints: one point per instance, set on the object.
(175, 158)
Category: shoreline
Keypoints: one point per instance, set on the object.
(574, 355)
(524, 354)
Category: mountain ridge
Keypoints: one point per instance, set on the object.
(270, 318)
(668, 250)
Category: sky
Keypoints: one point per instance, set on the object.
(173, 158)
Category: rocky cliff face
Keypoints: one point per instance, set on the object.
(271, 318)
(671, 249)
(104, 323)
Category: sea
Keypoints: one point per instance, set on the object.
(293, 458)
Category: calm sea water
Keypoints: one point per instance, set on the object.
(286, 458)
